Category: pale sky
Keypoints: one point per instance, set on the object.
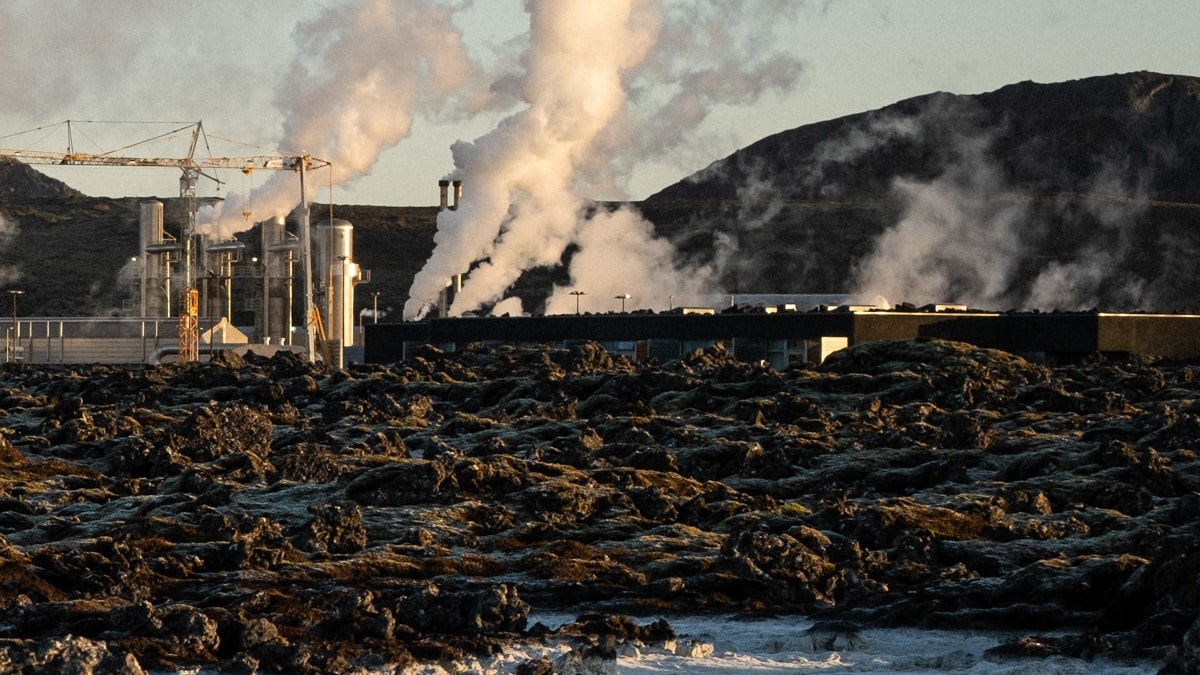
(226, 62)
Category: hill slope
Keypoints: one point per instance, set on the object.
(1063, 195)
(1051, 196)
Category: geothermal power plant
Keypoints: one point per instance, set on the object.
(189, 285)
(193, 288)
(198, 294)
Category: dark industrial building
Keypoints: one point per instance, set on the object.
(782, 337)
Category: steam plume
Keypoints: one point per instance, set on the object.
(365, 69)
(958, 241)
(9, 274)
(1092, 277)
(618, 255)
(967, 236)
(707, 55)
(522, 206)
(574, 89)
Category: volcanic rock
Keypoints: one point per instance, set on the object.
(161, 518)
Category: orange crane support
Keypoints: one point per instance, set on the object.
(314, 320)
(189, 326)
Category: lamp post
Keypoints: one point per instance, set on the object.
(16, 330)
(336, 329)
(14, 294)
(623, 298)
(577, 294)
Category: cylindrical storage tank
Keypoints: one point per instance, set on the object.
(278, 254)
(219, 258)
(334, 257)
(151, 218)
(153, 268)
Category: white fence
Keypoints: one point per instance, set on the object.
(89, 340)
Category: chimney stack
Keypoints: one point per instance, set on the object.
(457, 193)
(444, 187)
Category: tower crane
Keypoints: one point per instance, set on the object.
(192, 169)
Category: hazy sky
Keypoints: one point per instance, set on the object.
(262, 72)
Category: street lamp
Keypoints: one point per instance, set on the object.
(14, 294)
(623, 298)
(16, 329)
(577, 294)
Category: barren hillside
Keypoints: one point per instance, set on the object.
(1046, 196)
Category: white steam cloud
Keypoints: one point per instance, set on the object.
(619, 255)
(521, 211)
(1082, 282)
(958, 241)
(366, 68)
(706, 55)
(601, 87)
(967, 236)
(586, 70)
(9, 274)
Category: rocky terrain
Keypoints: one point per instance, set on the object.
(268, 515)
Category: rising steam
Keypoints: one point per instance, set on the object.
(9, 274)
(524, 202)
(620, 255)
(958, 241)
(366, 68)
(522, 211)
(967, 236)
(1090, 278)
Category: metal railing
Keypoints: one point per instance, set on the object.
(87, 340)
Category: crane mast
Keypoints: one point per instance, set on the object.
(192, 169)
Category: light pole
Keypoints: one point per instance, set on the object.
(577, 294)
(14, 295)
(16, 331)
(623, 298)
(336, 330)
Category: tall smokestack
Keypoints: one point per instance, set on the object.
(457, 194)
(444, 187)
(279, 255)
(154, 260)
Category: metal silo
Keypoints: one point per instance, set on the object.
(334, 257)
(158, 250)
(279, 249)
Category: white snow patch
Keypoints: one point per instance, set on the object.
(742, 646)
(707, 645)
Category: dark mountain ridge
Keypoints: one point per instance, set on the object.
(18, 182)
(1061, 179)
(1046, 137)
(1049, 196)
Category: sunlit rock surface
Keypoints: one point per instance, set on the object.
(269, 515)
